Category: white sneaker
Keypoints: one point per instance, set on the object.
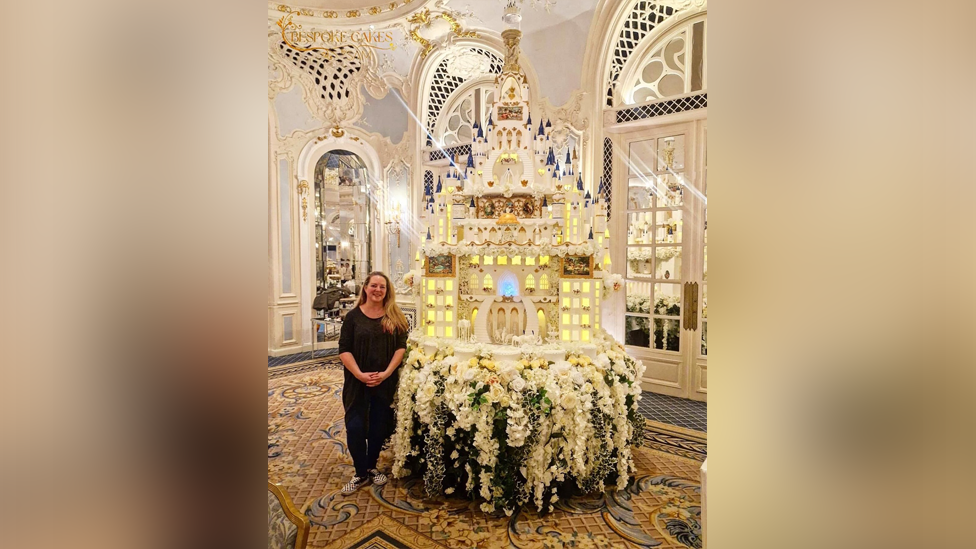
(379, 478)
(355, 484)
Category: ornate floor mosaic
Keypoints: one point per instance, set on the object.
(307, 455)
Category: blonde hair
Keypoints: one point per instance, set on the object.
(393, 320)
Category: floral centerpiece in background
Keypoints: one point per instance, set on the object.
(516, 432)
(639, 259)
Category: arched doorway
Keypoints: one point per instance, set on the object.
(343, 240)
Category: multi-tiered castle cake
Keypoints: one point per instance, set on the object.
(514, 248)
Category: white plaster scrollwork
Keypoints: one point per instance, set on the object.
(331, 78)
(567, 119)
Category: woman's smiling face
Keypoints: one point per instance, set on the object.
(376, 290)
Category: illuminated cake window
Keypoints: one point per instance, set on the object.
(475, 259)
(565, 335)
(585, 319)
(544, 282)
(565, 302)
(529, 282)
(473, 282)
(566, 286)
(489, 260)
(517, 260)
(432, 300)
(585, 302)
(565, 318)
(431, 285)
(586, 335)
(449, 331)
(430, 331)
(544, 260)
(503, 260)
(431, 315)
(449, 316)
(530, 261)
(488, 282)
(586, 287)
(449, 300)
(449, 285)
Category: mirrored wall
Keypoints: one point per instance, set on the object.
(342, 220)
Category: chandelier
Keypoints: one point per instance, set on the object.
(464, 63)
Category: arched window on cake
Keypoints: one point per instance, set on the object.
(473, 282)
(488, 284)
(530, 282)
(544, 282)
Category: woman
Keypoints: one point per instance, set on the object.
(371, 346)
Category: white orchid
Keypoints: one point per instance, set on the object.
(440, 397)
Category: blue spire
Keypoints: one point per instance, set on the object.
(542, 131)
(588, 197)
(439, 186)
(557, 168)
(476, 125)
(480, 133)
(490, 123)
(545, 203)
(470, 160)
(428, 234)
(471, 204)
(550, 159)
(591, 233)
(548, 124)
(568, 161)
(528, 121)
(579, 183)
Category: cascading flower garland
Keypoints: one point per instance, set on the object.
(518, 431)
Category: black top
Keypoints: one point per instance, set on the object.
(364, 337)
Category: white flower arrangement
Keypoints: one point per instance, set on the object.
(662, 253)
(638, 304)
(517, 431)
(664, 303)
(412, 278)
(666, 254)
(612, 283)
(639, 254)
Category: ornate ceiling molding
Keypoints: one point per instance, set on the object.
(331, 78)
(422, 21)
(566, 119)
(381, 11)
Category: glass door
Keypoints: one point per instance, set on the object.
(664, 243)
